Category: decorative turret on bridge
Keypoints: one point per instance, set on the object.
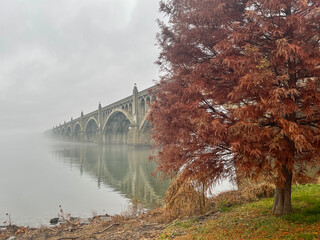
(124, 121)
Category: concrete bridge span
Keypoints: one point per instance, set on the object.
(122, 122)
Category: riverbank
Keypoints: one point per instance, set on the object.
(115, 227)
(234, 215)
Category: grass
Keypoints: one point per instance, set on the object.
(306, 203)
(255, 221)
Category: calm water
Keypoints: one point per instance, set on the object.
(38, 174)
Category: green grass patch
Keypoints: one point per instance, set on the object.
(224, 206)
(306, 204)
(307, 236)
(255, 220)
(185, 224)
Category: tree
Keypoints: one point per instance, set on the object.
(240, 92)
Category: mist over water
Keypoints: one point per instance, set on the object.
(38, 174)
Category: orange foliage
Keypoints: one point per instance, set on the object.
(240, 90)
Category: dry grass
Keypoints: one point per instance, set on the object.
(248, 194)
(184, 198)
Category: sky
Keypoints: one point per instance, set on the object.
(61, 57)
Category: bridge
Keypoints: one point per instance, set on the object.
(122, 122)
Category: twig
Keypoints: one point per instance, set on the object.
(100, 216)
(51, 229)
(150, 225)
(70, 237)
(99, 232)
(74, 224)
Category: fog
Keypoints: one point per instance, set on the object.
(61, 57)
(58, 58)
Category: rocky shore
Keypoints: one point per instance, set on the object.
(145, 226)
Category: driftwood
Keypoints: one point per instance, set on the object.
(103, 215)
(107, 228)
(70, 237)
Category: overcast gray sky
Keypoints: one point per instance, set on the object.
(58, 57)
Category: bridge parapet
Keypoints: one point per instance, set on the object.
(124, 121)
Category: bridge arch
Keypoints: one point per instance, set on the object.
(90, 130)
(142, 107)
(145, 123)
(62, 131)
(116, 127)
(130, 108)
(115, 111)
(148, 102)
(77, 130)
(69, 131)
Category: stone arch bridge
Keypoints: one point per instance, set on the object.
(123, 122)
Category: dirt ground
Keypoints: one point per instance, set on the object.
(114, 227)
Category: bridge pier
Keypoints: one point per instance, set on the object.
(133, 135)
(98, 136)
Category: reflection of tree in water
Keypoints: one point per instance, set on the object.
(125, 169)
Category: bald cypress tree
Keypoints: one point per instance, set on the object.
(240, 91)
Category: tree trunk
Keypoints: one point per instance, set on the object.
(282, 198)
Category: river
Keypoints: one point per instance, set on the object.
(38, 174)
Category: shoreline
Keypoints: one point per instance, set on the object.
(242, 214)
(116, 227)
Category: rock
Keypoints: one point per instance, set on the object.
(54, 221)
(11, 238)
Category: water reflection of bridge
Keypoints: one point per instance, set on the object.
(125, 169)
